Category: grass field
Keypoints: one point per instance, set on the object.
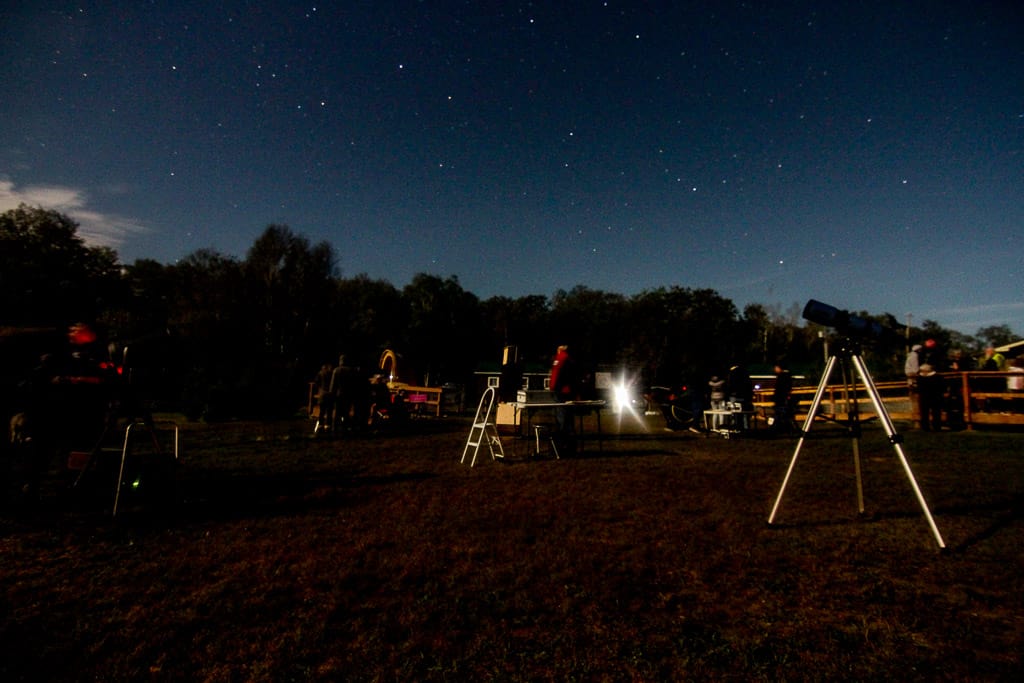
(650, 559)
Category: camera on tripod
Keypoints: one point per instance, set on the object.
(848, 324)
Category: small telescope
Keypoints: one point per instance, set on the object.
(846, 323)
(854, 328)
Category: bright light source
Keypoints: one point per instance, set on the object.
(621, 397)
(625, 400)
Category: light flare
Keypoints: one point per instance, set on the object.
(623, 403)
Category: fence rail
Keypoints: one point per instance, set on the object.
(975, 398)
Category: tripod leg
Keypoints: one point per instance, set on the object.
(803, 432)
(894, 438)
(856, 471)
(853, 409)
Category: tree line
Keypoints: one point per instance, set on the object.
(222, 336)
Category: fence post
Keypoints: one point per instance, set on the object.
(965, 388)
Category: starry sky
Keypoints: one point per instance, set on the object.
(866, 154)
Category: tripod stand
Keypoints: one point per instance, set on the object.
(848, 356)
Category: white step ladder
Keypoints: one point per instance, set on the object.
(484, 430)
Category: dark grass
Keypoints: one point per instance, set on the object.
(384, 558)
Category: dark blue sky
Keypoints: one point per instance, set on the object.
(870, 155)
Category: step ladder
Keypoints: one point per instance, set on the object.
(484, 430)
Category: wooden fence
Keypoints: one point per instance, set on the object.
(980, 398)
(986, 398)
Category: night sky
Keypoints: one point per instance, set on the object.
(866, 154)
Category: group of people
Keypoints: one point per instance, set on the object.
(350, 401)
(922, 367)
(934, 396)
(68, 401)
(736, 392)
(732, 392)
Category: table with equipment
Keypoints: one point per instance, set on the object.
(580, 409)
(729, 421)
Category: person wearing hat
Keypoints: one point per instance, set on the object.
(563, 384)
(931, 391)
(934, 355)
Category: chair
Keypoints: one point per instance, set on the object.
(543, 432)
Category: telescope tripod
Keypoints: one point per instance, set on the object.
(849, 358)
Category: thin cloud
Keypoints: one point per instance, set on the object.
(95, 227)
(972, 318)
(987, 309)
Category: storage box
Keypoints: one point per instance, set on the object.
(507, 415)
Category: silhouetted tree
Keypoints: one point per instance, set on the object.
(522, 322)
(371, 315)
(208, 313)
(152, 289)
(710, 326)
(755, 328)
(245, 336)
(591, 321)
(680, 333)
(651, 338)
(996, 335)
(445, 329)
(290, 284)
(48, 275)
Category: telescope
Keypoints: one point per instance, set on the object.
(846, 323)
(854, 328)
